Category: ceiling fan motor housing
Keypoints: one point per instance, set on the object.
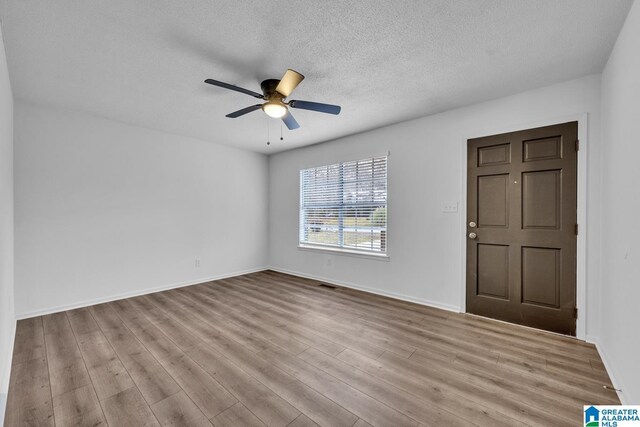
(269, 89)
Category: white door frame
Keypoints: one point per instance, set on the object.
(581, 252)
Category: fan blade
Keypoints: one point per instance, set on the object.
(232, 87)
(316, 106)
(290, 121)
(244, 111)
(289, 82)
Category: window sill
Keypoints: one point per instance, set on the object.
(339, 251)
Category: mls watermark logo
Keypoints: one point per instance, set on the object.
(611, 416)
(591, 417)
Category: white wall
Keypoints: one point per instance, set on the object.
(7, 316)
(620, 254)
(104, 209)
(426, 169)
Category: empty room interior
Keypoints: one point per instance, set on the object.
(341, 213)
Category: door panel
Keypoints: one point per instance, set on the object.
(542, 149)
(493, 201)
(493, 279)
(541, 276)
(522, 197)
(541, 204)
(494, 155)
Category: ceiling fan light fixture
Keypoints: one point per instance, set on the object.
(274, 92)
(274, 109)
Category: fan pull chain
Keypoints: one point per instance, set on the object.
(268, 137)
(281, 138)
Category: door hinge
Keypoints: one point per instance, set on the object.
(577, 145)
(575, 313)
(576, 230)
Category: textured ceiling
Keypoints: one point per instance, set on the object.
(144, 61)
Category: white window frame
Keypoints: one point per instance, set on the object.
(341, 249)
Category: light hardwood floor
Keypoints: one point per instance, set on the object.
(278, 350)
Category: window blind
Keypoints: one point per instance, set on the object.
(344, 205)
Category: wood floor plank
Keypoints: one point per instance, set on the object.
(128, 408)
(273, 349)
(273, 335)
(230, 329)
(156, 342)
(441, 335)
(597, 365)
(364, 336)
(82, 322)
(337, 302)
(361, 299)
(150, 377)
(528, 350)
(350, 398)
(555, 389)
(29, 341)
(530, 353)
(342, 337)
(412, 381)
(313, 404)
(241, 307)
(237, 416)
(206, 392)
(107, 373)
(178, 410)
(454, 346)
(307, 400)
(174, 330)
(409, 404)
(67, 370)
(271, 316)
(55, 323)
(260, 400)
(29, 401)
(303, 421)
(504, 390)
(384, 317)
(586, 383)
(79, 407)
(519, 335)
(310, 327)
(470, 410)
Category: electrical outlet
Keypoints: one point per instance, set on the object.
(450, 207)
(197, 262)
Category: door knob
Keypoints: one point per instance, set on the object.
(473, 236)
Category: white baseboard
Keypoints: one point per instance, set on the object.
(4, 388)
(608, 366)
(3, 406)
(6, 370)
(591, 339)
(86, 303)
(393, 295)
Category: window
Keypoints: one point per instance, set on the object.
(344, 206)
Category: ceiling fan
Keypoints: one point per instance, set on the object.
(274, 92)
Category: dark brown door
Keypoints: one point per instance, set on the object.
(521, 227)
